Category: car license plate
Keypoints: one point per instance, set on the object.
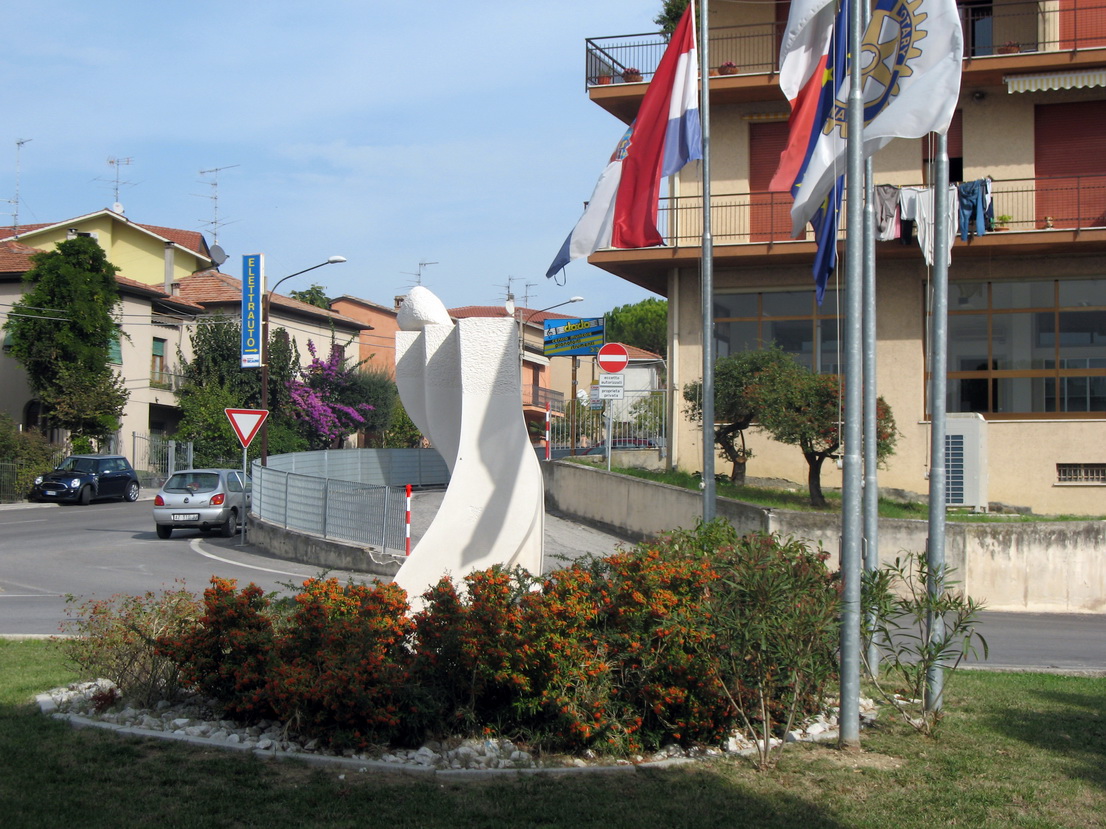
(50, 492)
(186, 516)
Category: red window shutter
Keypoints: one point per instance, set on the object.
(770, 213)
(1070, 162)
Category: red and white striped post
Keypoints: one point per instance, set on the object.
(407, 520)
(548, 408)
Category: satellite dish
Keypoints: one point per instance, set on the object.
(117, 208)
(218, 255)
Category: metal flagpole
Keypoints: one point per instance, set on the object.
(938, 381)
(871, 437)
(707, 277)
(850, 502)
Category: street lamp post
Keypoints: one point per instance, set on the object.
(333, 260)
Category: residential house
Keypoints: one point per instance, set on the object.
(1026, 364)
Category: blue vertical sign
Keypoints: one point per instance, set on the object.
(253, 288)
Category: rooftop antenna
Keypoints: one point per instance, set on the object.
(418, 275)
(18, 174)
(526, 286)
(510, 293)
(117, 163)
(215, 224)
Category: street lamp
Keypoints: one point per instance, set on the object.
(333, 260)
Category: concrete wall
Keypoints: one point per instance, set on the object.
(1037, 567)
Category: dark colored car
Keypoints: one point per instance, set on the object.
(203, 499)
(82, 478)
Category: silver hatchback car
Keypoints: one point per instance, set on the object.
(205, 499)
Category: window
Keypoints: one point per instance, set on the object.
(791, 319)
(1027, 348)
(1081, 473)
(115, 352)
(159, 378)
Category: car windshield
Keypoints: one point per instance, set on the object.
(192, 482)
(85, 465)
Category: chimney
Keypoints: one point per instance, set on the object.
(168, 268)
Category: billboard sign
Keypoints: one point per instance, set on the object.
(253, 290)
(569, 338)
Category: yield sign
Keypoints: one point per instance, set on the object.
(246, 422)
(613, 357)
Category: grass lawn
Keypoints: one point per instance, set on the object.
(1014, 750)
(799, 499)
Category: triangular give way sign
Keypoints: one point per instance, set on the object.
(246, 422)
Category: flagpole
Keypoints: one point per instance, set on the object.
(938, 380)
(707, 276)
(849, 716)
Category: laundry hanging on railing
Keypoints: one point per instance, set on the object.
(917, 203)
(975, 206)
(888, 225)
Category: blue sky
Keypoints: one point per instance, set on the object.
(388, 133)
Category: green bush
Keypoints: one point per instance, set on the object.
(117, 639)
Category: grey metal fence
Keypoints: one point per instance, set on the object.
(352, 495)
(156, 457)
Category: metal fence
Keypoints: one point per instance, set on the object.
(352, 495)
(16, 477)
(155, 457)
(638, 419)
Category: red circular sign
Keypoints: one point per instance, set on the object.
(613, 357)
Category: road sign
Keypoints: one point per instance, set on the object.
(246, 423)
(613, 357)
(610, 392)
(606, 380)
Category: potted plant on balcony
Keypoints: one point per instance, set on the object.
(728, 68)
(603, 80)
(1002, 222)
(631, 74)
(1010, 47)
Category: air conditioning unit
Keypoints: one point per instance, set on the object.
(966, 461)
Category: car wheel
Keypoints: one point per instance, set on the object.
(163, 530)
(132, 491)
(85, 497)
(227, 528)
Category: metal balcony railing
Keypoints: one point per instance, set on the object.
(166, 380)
(998, 28)
(539, 396)
(1034, 204)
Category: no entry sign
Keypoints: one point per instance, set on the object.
(613, 357)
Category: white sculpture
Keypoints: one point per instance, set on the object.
(461, 386)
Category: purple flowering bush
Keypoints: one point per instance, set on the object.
(325, 399)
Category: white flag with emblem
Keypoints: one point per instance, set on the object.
(911, 62)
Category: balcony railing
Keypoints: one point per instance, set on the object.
(1068, 202)
(166, 380)
(989, 29)
(539, 396)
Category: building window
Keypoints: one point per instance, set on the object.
(115, 352)
(793, 320)
(1081, 473)
(1033, 348)
(159, 377)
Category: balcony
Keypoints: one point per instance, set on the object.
(166, 380)
(748, 228)
(536, 397)
(999, 38)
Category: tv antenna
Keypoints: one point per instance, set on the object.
(18, 174)
(215, 224)
(418, 275)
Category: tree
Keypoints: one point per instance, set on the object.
(402, 432)
(378, 389)
(735, 406)
(670, 15)
(214, 380)
(327, 399)
(63, 330)
(315, 295)
(801, 408)
(643, 324)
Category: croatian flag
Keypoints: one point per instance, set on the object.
(665, 136)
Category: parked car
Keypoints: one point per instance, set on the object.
(620, 444)
(204, 499)
(80, 479)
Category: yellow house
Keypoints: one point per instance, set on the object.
(167, 282)
(1027, 321)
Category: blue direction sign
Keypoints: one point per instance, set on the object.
(573, 337)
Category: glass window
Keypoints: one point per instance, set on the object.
(1023, 294)
(790, 319)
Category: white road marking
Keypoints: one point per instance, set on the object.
(195, 544)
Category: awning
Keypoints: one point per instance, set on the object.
(1055, 80)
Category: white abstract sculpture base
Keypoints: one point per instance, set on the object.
(460, 384)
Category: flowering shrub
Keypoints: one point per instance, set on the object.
(229, 652)
(116, 639)
(325, 399)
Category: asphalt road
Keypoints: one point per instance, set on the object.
(50, 551)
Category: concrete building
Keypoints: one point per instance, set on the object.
(167, 281)
(1027, 321)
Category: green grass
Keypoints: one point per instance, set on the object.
(1021, 750)
(800, 500)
